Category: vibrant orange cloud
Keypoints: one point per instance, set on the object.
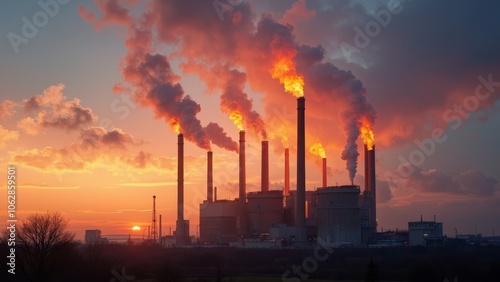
(7, 109)
(6, 135)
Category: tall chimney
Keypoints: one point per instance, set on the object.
(210, 192)
(215, 194)
(300, 209)
(370, 185)
(265, 167)
(324, 173)
(180, 224)
(287, 172)
(160, 241)
(180, 178)
(242, 226)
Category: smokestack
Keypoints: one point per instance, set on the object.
(265, 166)
(210, 176)
(324, 173)
(215, 194)
(180, 178)
(243, 196)
(160, 237)
(370, 185)
(287, 172)
(180, 224)
(300, 210)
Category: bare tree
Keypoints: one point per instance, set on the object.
(42, 239)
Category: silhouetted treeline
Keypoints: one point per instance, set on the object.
(87, 263)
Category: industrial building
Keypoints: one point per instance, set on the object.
(94, 237)
(423, 232)
(338, 215)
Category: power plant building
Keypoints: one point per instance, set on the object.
(218, 221)
(265, 209)
(339, 215)
(422, 231)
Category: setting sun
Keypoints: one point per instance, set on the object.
(136, 228)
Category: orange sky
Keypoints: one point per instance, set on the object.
(89, 122)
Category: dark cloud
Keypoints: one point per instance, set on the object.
(53, 110)
(98, 137)
(384, 192)
(470, 182)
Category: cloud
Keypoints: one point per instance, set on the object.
(53, 110)
(471, 182)
(384, 192)
(475, 182)
(98, 137)
(6, 135)
(97, 147)
(7, 109)
(335, 97)
(298, 13)
(112, 12)
(442, 74)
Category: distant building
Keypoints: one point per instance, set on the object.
(93, 236)
(218, 222)
(421, 232)
(168, 241)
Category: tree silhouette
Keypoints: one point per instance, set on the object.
(371, 272)
(42, 240)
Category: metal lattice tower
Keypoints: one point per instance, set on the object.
(153, 231)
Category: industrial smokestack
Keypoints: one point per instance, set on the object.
(324, 173)
(370, 185)
(265, 166)
(161, 234)
(242, 226)
(180, 178)
(210, 176)
(300, 210)
(215, 194)
(287, 172)
(180, 224)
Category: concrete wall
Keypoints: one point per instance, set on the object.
(338, 215)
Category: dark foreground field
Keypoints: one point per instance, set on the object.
(148, 263)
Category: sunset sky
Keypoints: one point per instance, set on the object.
(92, 93)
